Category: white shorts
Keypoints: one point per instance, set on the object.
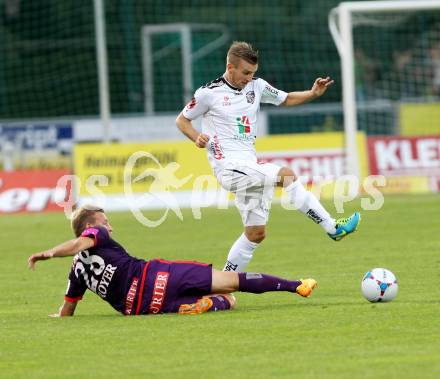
(253, 185)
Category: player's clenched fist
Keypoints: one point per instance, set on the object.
(202, 140)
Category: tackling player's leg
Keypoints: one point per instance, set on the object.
(227, 282)
(209, 303)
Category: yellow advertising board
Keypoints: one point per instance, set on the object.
(175, 166)
(165, 163)
(314, 143)
(408, 184)
(420, 119)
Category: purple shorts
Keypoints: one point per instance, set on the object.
(172, 283)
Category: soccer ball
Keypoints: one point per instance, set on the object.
(379, 284)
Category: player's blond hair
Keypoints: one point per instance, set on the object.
(241, 50)
(83, 215)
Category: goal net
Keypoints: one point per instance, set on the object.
(397, 63)
(390, 54)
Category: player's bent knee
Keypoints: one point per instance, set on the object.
(231, 299)
(286, 177)
(260, 236)
(256, 235)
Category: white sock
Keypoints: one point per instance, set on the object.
(307, 203)
(240, 254)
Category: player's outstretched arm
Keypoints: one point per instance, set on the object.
(66, 249)
(67, 309)
(185, 126)
(318, 89)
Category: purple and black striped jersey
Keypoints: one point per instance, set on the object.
(106, 269)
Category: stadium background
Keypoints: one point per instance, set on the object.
(48, 65)
(49, 99)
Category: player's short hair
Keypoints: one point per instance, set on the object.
(83, 215)
(241, 50)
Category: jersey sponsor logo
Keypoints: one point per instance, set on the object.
(244, 126)
(314, 216)
(191, 104)
(250, 97)
(159, 290)
(270, 91)
(131, 295)
(216, 148)
(244, 129)
(226, 101)
(105, 280)
(244, 137)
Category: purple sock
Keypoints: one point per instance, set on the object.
(220, 303)
(259, 283)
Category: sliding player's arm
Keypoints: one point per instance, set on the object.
(66, 249)
(67, 309)
(74, 293)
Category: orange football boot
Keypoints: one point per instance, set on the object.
(306, 287)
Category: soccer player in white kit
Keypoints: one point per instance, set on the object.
(229, 108)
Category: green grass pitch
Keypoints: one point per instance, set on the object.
(333, 334)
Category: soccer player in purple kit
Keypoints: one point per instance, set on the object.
(137, 287)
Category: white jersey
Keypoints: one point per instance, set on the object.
(230, 117)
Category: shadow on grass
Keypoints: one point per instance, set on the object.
(266, 307)
(339, 304)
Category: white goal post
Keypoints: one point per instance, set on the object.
(341, 27)
(185, 31)
(102, 68)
